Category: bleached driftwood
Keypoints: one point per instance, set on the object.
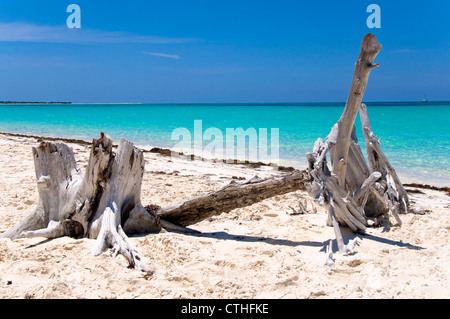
(57, 179)
(104, 203)
(329, 255)
(341, 135)
(353, 190)
(234, 195)
(396, 193)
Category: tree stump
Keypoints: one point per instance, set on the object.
(103, 204)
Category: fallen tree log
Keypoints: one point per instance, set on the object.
(232, 196)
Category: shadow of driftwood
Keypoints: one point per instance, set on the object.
(245, 238)
(47, 240)
(386, 241)
(346, 233)
(392, 242)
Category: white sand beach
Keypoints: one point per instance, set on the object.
(258, 251)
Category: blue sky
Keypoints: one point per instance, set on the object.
(220, 51)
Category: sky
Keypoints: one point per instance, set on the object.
(247, 51)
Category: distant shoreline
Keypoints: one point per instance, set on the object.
(24, 102)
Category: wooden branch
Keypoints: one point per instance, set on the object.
(339, 154)
(361, 191)
(346, 207)
(379, 161)
(374, 163)
(357, 168)
(337, 230)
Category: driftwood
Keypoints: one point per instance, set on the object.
(232, 196)
(353, 190)
(104, 203)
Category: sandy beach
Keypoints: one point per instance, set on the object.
(260, 251)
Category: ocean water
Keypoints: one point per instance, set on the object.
(414, 136)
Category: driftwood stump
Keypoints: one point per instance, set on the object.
(353, 190)
(103, 204)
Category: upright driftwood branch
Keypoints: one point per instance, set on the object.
(339, 155)
(396, 193)
(353, 190)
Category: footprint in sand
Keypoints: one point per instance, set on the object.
(354, 263)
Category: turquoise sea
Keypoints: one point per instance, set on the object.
(415, 136)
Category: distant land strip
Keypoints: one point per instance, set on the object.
(27, 102)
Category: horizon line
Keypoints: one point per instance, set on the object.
(209, 103)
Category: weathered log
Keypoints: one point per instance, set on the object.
(232, 196)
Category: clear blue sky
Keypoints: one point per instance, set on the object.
(220, 51)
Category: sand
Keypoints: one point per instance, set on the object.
(255, 252)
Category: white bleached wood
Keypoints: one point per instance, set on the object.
(337, 230)
(378, 161)
(364, 64)
(361, 191)
(350, 247)
(353, 190)
(329, 255)
(57, 179)
(94, 205)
